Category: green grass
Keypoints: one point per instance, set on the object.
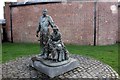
(106, 54)
(0, 53)
(11, 51)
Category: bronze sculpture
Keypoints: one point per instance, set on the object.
(44, 22)
(52, 46)
(54, 59)
(56, 47)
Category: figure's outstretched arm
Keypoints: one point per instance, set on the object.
(51, 22)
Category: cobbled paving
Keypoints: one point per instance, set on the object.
(88, 68)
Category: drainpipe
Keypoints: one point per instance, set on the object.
(95, 2)
(11, 24)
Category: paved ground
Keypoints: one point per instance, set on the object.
(89, 68)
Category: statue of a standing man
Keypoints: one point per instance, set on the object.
(44, 22)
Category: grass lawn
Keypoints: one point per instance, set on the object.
(106, 54)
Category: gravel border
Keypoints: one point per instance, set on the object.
(89, 68)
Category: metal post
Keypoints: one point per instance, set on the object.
(95, 22)
(11, 24)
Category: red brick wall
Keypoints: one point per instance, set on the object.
(74, 19)
(119, 24)
(107, 24)
(7, 17)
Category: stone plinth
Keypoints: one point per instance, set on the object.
(53, 71)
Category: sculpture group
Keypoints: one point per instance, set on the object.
(51, 44)
(53, 59)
